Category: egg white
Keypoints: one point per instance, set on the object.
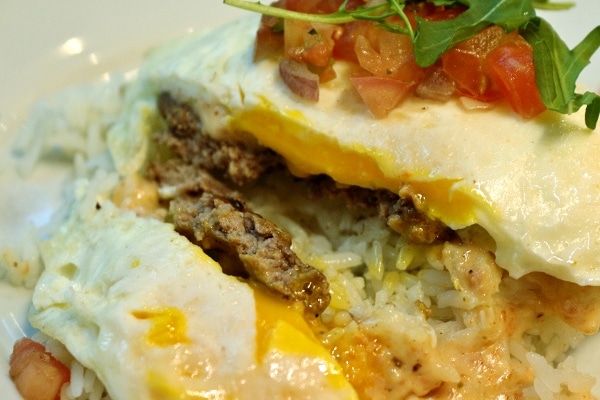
(155, 318)
(534, 185)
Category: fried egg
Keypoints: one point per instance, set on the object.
(155, 317)
(534, 185)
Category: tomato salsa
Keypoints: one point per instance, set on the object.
(491, 66)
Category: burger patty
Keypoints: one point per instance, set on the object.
(399, 213)
(237, 161)
(203, 207)
(244, 242)
(200, 171)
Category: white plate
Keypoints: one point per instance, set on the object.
(47, 45)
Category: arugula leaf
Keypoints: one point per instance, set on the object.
(592, 112)
(557, 69)
(434, 38)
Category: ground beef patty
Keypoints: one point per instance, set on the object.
(242, 241)
(400, 213)
(204, 208)
(200, 174)
(236, 161)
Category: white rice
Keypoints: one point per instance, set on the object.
(72, 122)
(372, 271)
(68, 127)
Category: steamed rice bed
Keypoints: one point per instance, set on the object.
(445, 308)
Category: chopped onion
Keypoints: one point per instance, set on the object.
(469, 103)
(300, 79)
(436, 86)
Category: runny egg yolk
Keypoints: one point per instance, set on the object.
(167, 326)
(308, 152)
(282, 329)
(281, 332)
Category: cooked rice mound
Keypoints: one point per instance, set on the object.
(405, 321)
(438, 321)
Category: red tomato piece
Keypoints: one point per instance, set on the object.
(430, 12)
(388, 55)
(310, 42)
(35, 372)
(344, 45)
(466, 70)
(381, 95)
(511, 68)
(269, 38)
(465, 64)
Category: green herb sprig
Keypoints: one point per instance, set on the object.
(377, 13)
(557, 67)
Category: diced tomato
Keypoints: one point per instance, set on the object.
(487, 67)
(465, 68)
(511, 68)
(381, 95)
(388, 55)
(429, 12)
(269, 38)
(35, 372)
(344, 46)
(465, 64)
(310, 42)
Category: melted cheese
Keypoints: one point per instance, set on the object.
(534, 185)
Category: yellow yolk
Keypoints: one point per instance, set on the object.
(282, 330)
(305, 150)
(167, 326)
(269, 312)
(309, 152)
(440, 200)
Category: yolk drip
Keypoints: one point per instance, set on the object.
(272, 314)
(281, 328)
(439, 200)
(167, 326)
(308, 152)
